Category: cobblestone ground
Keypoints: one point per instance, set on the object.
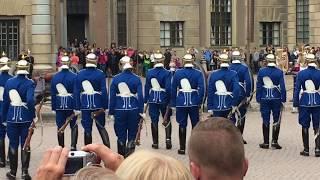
(263, 164)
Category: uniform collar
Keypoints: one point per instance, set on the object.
(236, 62)
(224, 65)
(271, 64)
(314, 65)
(188, 65)
(21, 75)
(158, 65)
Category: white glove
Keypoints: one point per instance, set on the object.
(143, 115)
(53, 111)
(35, 119)
(173, 109)
(111, 117)
(76, 112)
(234, 109)
(4, 124)
(210, 111)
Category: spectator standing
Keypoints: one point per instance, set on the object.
(114, 62)
(102, 60)
(167, 58)
(255, 59)
(74, 59)
(82, 58)
(208, 57)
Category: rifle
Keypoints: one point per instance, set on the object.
(33, 124)
(243, 102)
(95, 114)
(166, 120)
(68, 120)
(137, 140)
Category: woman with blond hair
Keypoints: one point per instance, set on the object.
(144, 165)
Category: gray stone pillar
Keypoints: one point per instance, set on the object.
(41, 32)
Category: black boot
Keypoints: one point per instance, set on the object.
(265, 131)
(182, 139)
(87, 138)
(168, 136)
(305, 140)
(275, 135)
(74, 138)
(13, 156)
(317, 143)
(155, 135)
(25, 159)
(121, 148)
(104, 136)
(61, 139)
(2, 153)
(130, 148)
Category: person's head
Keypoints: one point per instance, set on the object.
(95, 173)
(216, 151)
(145, 165)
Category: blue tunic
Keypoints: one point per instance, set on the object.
(95, 101)
(217, 102)
(163, 77)
(180, 98)
(67, 79)
(311, 99)
(244, 79)
(19, 114)
(134, 101)
(4, 76)
(278, 92)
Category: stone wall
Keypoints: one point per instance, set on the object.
(314, 23)
(150, 13)
(271, 11)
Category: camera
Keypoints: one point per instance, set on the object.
(79, 159)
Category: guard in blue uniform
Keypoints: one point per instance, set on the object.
(245, 86)
(187, 96)
(271, 94)
(157, 95)
(63, 102)
(4, 76)
(126, 103)
(223, 89)
(308, 81)
(91, 96)
(18, 110)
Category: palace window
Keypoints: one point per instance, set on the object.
(221, 19)
(9, 38)
(269, 33)
(122, 22)
(302, 24)
(171, 34)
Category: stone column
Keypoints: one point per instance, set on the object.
(41, 32)
(205, 23)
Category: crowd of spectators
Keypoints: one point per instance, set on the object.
(109, 57)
